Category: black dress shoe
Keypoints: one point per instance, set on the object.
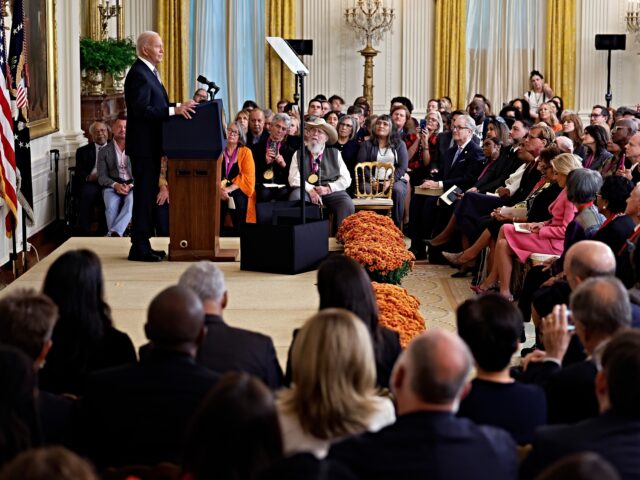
(143, 257)
(159, 253)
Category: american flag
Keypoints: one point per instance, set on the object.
(7, 152)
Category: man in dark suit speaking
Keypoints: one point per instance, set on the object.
(147, 107)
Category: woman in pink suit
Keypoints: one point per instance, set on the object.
(542, 237)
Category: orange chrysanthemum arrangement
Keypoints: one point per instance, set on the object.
(377, 244)
(399, 311)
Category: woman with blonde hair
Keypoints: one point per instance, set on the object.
(546, 115)
(333, 391)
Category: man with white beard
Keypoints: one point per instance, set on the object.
(327, 176)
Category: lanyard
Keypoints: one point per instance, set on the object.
(229, 161)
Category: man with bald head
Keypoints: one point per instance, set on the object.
(138, 414)
(600, 307)
(428, 440)
(147, 108)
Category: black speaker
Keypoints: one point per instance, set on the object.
(301, 47)
(611, 42)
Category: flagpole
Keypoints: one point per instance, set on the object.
(25, 243)
(14, 256)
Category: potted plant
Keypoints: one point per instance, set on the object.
(92, 61)
(120, 56)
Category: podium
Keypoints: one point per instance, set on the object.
(193, 148)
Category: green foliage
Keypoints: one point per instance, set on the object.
(112, 56)
(394, 277)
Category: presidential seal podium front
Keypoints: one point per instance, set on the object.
(193, 148)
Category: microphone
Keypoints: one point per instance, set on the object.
(211, 85)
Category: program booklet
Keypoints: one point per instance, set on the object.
(451, 195)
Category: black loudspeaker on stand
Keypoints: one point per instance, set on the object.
(610, 42)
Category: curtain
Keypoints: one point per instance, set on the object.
(246, 40)
(505, 41)
(450, 50)
(560, 59)
(228, 48)
(279, 81)
(172, 23)
(209, 46)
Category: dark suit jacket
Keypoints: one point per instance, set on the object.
(430, 445)
(281, 174)
(616, 438)
(85, 161)
(108, 172)
(139, 414)
(227, 348)
(529, 179)
(497, 172)
(615, 234)
(465, 171)
(147, 107)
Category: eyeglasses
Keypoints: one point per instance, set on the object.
(615, 129)
(593, 115)
(456, 127)
(348, 125)
(232, 132)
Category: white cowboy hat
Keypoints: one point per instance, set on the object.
(317, 122)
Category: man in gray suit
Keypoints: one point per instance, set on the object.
(114, 174)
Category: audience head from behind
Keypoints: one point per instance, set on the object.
(19, 426)
(587, 259)
(583, 185)
(249, 105)
(580, 466)
(48, 464)
(600, 307)
(206, 280)
(490, 325)
(175, 321)
(27, 319)
(565, 144)
(618, 381)
(235, 433)
(395, 101)
(613, 195)
(75, 283)
(431, 374)
(343, 283)
(333, 376)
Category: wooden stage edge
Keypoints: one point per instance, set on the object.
(272, 304)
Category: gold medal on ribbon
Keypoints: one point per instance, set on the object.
(224, 183)
(268, 174)
(313, 178)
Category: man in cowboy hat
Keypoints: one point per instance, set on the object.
(327, 176)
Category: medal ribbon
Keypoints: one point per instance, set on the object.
(229, 161)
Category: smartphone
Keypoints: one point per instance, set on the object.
(423, 124)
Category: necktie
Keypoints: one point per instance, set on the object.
(456, 156)
(157, 74)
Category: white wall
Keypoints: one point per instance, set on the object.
(404, 66)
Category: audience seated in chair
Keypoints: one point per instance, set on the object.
(272, 157)
(386, 146)
(615, 432)
(27, 319)
(52, 463)
(333, 390)
(428, 440)
(235, 432)
(139, 413)
(599, 308)
(114, 175)
(343, 283)
(87, 189)
(491, 326)
(226, 348)
(327, 176)
(19, 428)
(84, 338)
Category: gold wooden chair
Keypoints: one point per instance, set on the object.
(374, 185)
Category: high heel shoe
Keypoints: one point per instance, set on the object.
(454, 258)
(478, 289)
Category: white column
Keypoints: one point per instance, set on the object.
(69, 136)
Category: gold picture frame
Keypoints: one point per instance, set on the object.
(40, 23)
